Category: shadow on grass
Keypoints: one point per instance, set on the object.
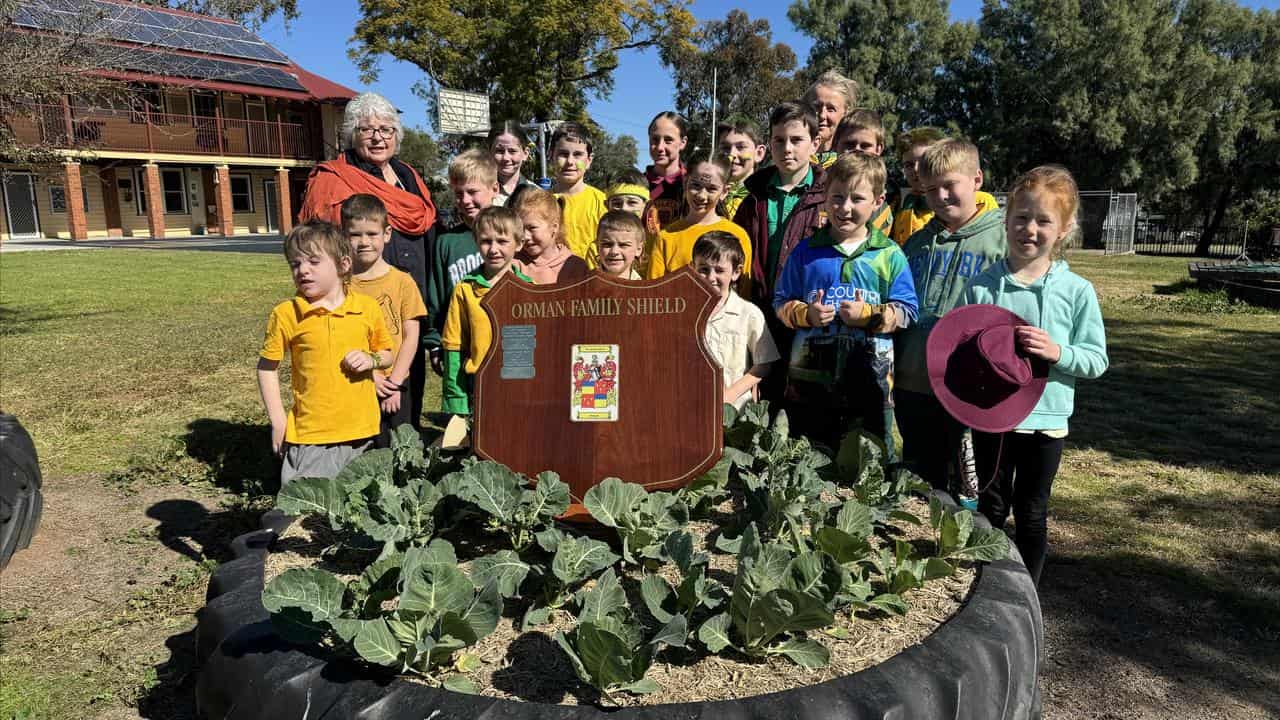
(1207, 643)
(16, 322)
(1187, 393)
(238, 459)
(189, 529)
(238, 454)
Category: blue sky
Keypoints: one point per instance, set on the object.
(317, 41)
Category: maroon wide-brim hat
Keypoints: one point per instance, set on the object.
(977, 371)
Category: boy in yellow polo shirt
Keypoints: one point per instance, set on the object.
(335, 339)
(467, 333)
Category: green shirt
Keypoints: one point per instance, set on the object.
(780, 206)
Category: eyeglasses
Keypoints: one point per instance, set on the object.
(368, 132)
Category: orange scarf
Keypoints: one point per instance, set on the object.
(333, 181)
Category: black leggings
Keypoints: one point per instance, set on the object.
(1027, 464)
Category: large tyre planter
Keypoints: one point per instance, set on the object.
(981, 664)
(20, 500)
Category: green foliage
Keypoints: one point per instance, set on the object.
(643, 519)
(753, 75)
(695, 590)
(956, 537)
(438, 612)
(607, 647)
(896, 67)
(779, 474)
(524, 54)
(800, 560)
(777, 594)
(612, 155)
(707, 489)
(386, 495)
(513, 508)
(885, 492)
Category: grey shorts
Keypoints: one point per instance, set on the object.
(324, 461)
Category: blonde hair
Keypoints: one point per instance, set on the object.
(1056, 181)
(854, 167)
(915, 137)
(473, 164)
(834, 80)
(623, 221)
(861, 120)
(318, 236)
(949, 155)
(502, 220)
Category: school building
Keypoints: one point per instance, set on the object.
(216, 136)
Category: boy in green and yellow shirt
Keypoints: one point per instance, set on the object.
(467, 333)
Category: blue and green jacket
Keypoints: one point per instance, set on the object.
(877, 268)
(1066, 306)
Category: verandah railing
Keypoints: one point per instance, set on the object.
(125, 129)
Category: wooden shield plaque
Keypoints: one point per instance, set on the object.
(600, 378)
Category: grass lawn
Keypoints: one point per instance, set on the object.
(133, 371)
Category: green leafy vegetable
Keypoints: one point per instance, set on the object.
(607, 647)
(777, 594)
(523, 513)
(643, 519)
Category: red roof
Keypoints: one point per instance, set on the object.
(321, 89)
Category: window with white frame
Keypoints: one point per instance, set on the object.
(241, 194)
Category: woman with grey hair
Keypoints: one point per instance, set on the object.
(371, 134)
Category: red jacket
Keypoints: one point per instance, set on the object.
(753, 216)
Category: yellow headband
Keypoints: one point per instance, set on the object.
(624, 189)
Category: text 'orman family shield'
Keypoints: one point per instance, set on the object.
(600, 378)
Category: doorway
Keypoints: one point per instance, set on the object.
(271, 206)
(20, 206)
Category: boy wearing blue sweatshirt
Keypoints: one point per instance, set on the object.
(1018, 467)
(845, 290)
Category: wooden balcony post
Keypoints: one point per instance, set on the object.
(66, 118)
(217, 117)
(280, 135)
(151, 146)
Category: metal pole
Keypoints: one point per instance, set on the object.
(711, 152)
(542, 149)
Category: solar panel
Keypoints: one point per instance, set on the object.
(205, 68)
(128, 23)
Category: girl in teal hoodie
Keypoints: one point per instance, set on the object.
(1016, 468)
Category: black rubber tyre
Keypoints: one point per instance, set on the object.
(982, 664)
(20, 498)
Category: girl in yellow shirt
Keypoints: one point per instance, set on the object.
(705, 187)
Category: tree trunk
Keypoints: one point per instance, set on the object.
(1215, 222)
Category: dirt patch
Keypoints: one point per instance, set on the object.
(95, 546)
(530, 666)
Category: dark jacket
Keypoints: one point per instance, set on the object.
(753, 216)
